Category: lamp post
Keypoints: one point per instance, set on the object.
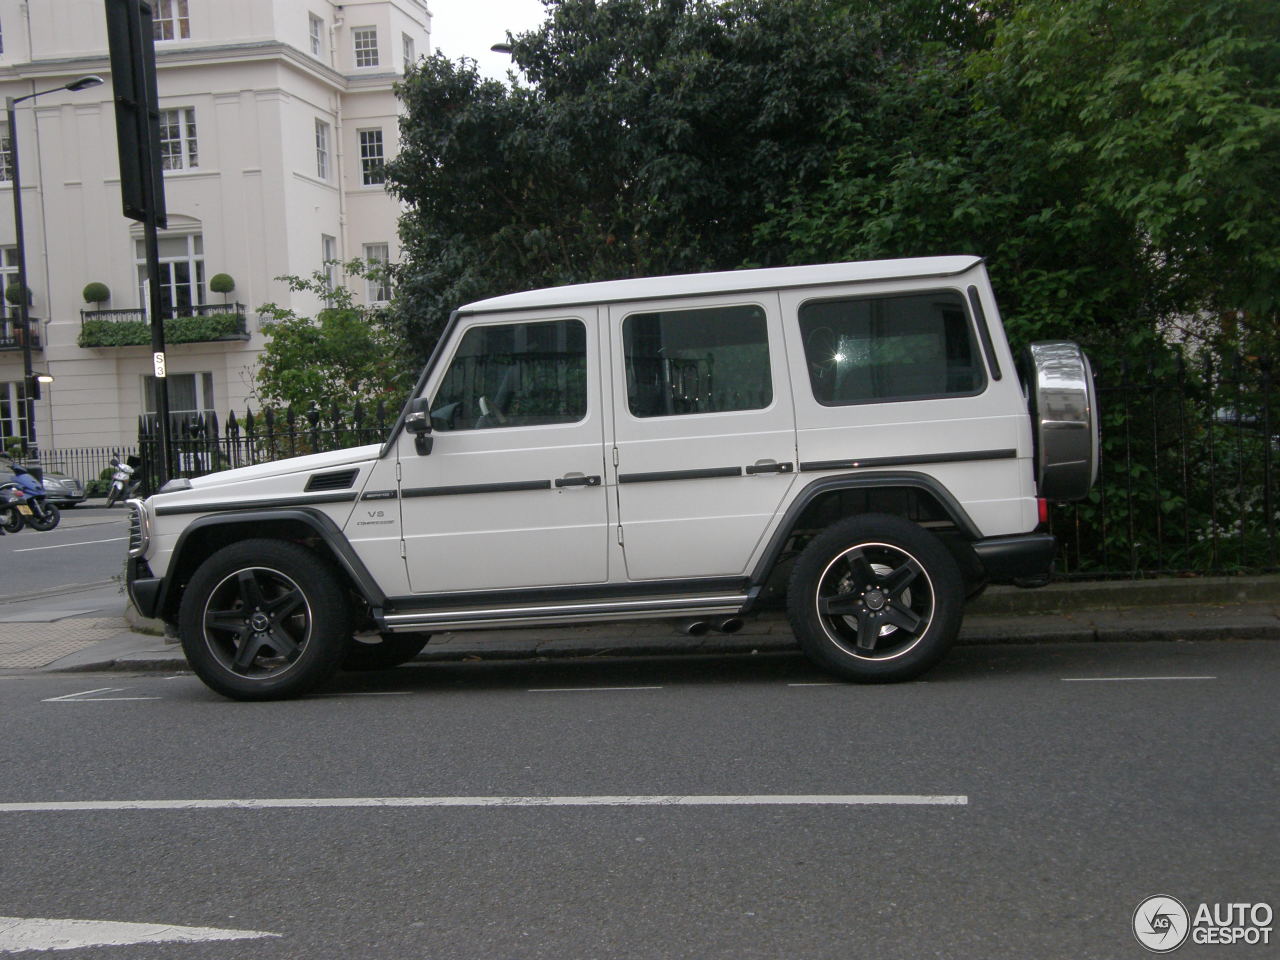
(30, 385)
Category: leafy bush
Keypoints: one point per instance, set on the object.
(96, 292)
(98, 332)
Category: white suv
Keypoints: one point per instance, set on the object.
(854, 435)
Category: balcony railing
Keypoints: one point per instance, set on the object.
(11, 334)
(194, 324)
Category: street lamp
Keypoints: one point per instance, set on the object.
(30, 384)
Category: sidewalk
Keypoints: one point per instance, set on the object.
(1217, 608)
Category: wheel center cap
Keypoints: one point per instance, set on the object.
(875, 600)
(260, 622)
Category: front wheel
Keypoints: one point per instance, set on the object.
(875, 599)
(52, 517)
(264, 620)
(113, 494)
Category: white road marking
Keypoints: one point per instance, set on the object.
(19, 934)
(1115, 679)
(82, 543)
(824, 684)
(728, 800)
(84, 696)
(584, 689)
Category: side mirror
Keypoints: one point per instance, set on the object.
(418, 422)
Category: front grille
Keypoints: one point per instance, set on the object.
(137, 529)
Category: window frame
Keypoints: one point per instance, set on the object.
(408, 51)
(361, 49)
(188, 139)
(372, 166)
(175, 13)
(374, 287)
(658, 309)
(315, 34)
(589, 358)
(975, 346)
(194, 284)
(322, 149)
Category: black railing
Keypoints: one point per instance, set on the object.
(90, 465)
(202, 444)
(1187, 481)
(190, 324)
(11, 334)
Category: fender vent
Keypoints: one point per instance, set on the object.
(339, 480)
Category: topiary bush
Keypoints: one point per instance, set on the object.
(13, 294)
(222, 283)
(96, 292)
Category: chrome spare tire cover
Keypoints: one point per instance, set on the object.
(1064, 419)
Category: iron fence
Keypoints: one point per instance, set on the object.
(1187, 478)
(86, 464)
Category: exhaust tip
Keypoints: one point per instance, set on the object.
(729, 625)
(694, 628)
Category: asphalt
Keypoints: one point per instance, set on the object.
(1166, 610)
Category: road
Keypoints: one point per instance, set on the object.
(1019, 803)
(87, 547)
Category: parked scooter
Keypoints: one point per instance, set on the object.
(10, 518)
(31, 505)
(123, 484)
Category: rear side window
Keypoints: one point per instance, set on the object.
(515, 375)
(876, 349)
(697, 361)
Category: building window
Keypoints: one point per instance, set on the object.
(178, 139)
(190, 394)
(316, 29)
(378, 285)
(6, 156)
(13, 411)
(366, 44)
(181, 274)
(171, 19)
(8, 275)
(322, 150)
(371, 157)
(329, 260)
(410, 55)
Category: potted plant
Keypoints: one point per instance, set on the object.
(13, 294)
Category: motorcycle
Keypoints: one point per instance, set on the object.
(123, 486)
(31, 504)
(10, 519)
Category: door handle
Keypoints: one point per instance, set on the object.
(577, 480)
(769, 466)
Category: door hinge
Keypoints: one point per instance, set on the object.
(404, 554)
(397, 471)
(619, 534)
(615, 456)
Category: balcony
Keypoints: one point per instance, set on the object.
(194, 324)
(11, 334)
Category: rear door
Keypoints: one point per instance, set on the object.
(704, 432)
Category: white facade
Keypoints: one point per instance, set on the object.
(271, 133)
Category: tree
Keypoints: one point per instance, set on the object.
(347, 354)
(653, 137)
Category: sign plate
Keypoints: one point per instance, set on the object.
(158, 360)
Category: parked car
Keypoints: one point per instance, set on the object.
(855, 436)
(63, 491)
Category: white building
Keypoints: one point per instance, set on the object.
(276, 118)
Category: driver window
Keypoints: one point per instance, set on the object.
(515, 375)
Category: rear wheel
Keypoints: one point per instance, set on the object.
(264, 620)
(875, 599)
(11, 519)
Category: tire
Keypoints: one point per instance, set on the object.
(291, 640)
(1063, 403)
(11, 520)
(875, 599)
(111, 496)
(390, 650)
(52, 517)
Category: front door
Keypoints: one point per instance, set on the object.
(512, 493)
(704, 433)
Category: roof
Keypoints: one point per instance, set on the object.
(730, 281)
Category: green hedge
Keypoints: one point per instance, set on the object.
(129, 333)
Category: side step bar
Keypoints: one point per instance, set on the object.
(477, 618)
